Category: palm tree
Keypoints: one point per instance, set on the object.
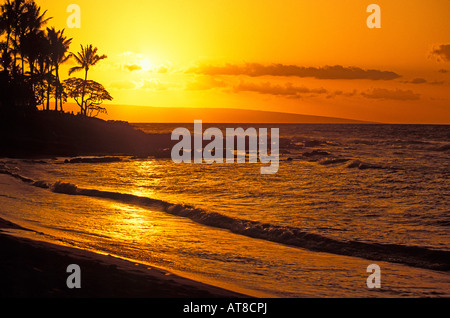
(43, 69)
(20, 17)
(30, 20)
(87, 58)
(3, 23)
(10, 13)
(59, 47)
(3, 29)
(33, 45)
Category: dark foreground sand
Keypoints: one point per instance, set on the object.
(34, 269)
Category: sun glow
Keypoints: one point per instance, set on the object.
(146, 65)
(211, 54)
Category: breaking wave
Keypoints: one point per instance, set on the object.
(409, 255)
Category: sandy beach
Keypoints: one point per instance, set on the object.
(35, 269)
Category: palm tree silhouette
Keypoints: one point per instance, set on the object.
(41, 71)
(87, 58)
(31, 20)
(20, 17)
(31, 56)
(59, 46)
(10, 12)
(21, 22)
(33, 45)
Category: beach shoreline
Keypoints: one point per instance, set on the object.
(36, 269)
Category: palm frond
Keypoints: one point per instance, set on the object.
(75, 69)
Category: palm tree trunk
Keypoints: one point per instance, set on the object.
(48, 95)
(61, 91)
(31, 74)
(84, 109)
(5, 52)
(15, 57)
(8, 36)
(56, 87)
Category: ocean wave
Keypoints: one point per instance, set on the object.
(442, 148)
(324, 158)
(330, 161)
(416, 256)
(66, 188)
(5, 170)
(365, 165)
(409, 255)
(93, 160)
(315, 153)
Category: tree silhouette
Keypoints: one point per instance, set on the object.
(59, 46)
(20, 18)
(89, 95)
(37, 51)
(10, 12)
(30, 60)
(86, 58)
(34, 48)
(21, 21)
(30, 20)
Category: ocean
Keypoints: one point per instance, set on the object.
(345, 196)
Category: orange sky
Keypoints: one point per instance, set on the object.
(310, 57)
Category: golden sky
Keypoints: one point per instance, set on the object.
(310, 57)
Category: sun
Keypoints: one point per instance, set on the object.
(146, 65)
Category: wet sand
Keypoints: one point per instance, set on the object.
(35, 269)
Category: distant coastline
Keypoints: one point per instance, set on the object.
(150, 114)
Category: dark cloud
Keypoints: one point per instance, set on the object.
(443, 71)
(437, 83)
(442, 52)
(342, 93)
(398, 94)
(418, 81)
(326, 72)
(287, 90)
(133, 67)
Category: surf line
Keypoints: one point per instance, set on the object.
(213, 152)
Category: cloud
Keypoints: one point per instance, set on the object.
(342, 93)
(204, 83)
(442, 52)
(153, 84)
(418, 80)
(133, 67)
(326, 72)
(123, 85)
(398, 94)
(443, 71)
(287, 90)
(162, 69)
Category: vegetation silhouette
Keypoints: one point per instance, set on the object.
(87, 58)
(89, 95)
(30, 62)
(31, 55)
(59, 45)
